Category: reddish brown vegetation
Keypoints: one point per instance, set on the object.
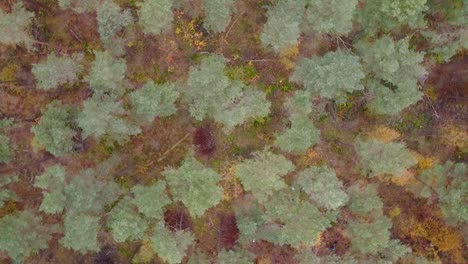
(204, 140)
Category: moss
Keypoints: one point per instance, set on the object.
(245, 73)
(410, 122)
(282, 84)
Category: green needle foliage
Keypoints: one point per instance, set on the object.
(217, 14)
(171, 246)
(154, 100)
(83, 198)
(125, 224)
(449, 181)
(262, 175)
(5, 194)
(374, 238)
(331, 16)
(297, 139)
(81, 232)
(15, 27)
(386, 16)
(102, 116)
(364, 200)
(86, 197)
(331, 76)
(236, 256)
(322, 186)
(79, 6)
(249, 218)
(299, 105)
(210, 93)
(396, 70)
(282, 30)
(379, 158)
(301, 221)
(151, 200)
(107, 73)
(87, 194)
(392, 61)
(56, 71)
(22, 234)
(52, 181)
(155, 16)
(55, 129)
(4, 149)
(308, 257)
(110, 20)
(388, 101)
(194, 185)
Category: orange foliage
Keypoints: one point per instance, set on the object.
(454, 135)
(384, 134)
(232, 187)
(442, 237)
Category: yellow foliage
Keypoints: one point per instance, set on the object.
(189, 31)
(431, 93)
(318, 240)
(454, 135)
(311, 157)
(288, 56)
(264, 260)
(232, 187)
(384, 134)
(442, 237)
(9, 72)
(145, 254)
(36, 146)
(394, 212)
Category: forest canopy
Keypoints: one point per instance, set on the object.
(233, 131)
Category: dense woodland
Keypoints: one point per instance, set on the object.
(234, 131)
